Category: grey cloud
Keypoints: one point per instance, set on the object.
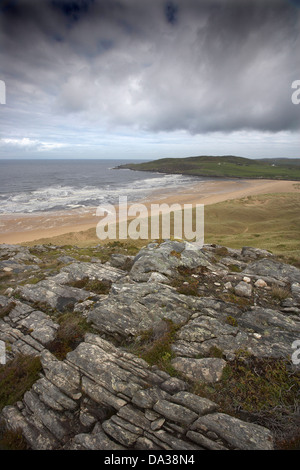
(199, 66)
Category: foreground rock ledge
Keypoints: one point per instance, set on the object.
(101, 397)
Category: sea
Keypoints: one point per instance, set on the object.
(39, 186)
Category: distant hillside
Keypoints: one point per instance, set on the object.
(224, 166)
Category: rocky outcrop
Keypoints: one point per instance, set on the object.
(104, 397)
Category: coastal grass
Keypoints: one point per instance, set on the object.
(223, 166)
(268, 221)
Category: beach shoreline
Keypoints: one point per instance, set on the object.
(23, 228)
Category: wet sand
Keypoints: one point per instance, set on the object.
(20, 228)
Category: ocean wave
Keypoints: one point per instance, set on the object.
(57, 197)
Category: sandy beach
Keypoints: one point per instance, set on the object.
(21, 228)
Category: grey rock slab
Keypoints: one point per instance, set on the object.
(132, 308)
(237, 433)
(52, 396)
(119, 433)
(255, 253)
(173, 385)
(134, 416)
(62, 375)
(261, 319)
(56, 424)
(121, 261)
(243, 289)
(204, 442)
(199, 405)
(174, 442)
(274, 269)
(148, 397)
(95, 441)
(94, 271)
(203, 328)
(160, 258)
(17, 267)
(36, 438)
(143, 443)
(208, 369)
(52, 294)
(174, 412)
(43, 329)
(102, 368)
(158, 277)
(101, 395)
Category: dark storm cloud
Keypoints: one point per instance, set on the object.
(198, 66)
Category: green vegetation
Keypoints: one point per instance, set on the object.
(280, 293)
(155, 347)
(231, 321)
(225, 166)
(4, 311)
(95, 286)
(16, 377)
(266, 390)
(12, 440)
(269, 221)
(72, 328)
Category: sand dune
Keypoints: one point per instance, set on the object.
(22, 228)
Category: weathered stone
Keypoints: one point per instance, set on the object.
(37, 438)
(161, 258)
(141, 406)
(61, 374)
(134, 416)
(133, 308)
(52, 396)
(120, 433)
(143, 443)
(255, 253)
(173, 442)
(95, 441)
(173, 385)
(260, 283)
(50, 293)
(57, 425)
(41, 327)
(147, 398)
(206, 370)
(275, 269)
(101, 395)
(237, 433)
(157, 424)
(121, 261)
(158, 277)
(204, 441)
(175, 412)
(199, 405)
(243, 289)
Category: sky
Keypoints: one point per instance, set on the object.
(139, 79)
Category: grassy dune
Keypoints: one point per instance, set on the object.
(269, 221)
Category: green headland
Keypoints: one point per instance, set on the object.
(224, 167)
